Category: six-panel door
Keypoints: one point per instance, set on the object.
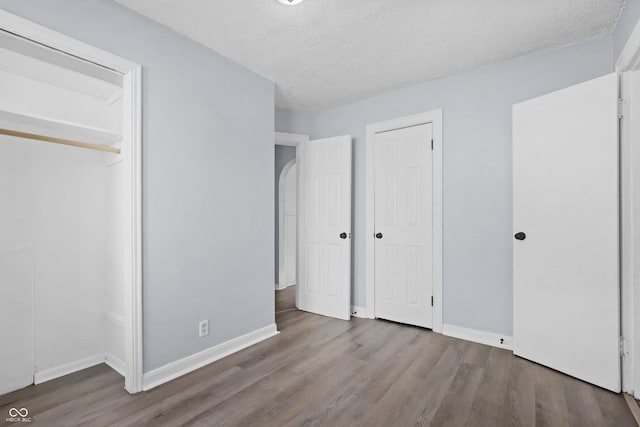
(403, 225)
(324, 212)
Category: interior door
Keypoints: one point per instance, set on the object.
(16, 319)
(324, 227)
(290, 225)
(404, 225)
(565, 223)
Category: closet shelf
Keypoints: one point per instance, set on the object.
(58, 129)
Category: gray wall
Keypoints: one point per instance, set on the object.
(295, 121)
(477, 168)
(283, 154)
(208, 130)
(302, 122)
(626, 24)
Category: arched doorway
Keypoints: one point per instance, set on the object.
(287, 201)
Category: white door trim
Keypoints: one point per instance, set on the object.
(435, 118)
(290, 139)
(132, 152)
(281, 214)
(629, 61)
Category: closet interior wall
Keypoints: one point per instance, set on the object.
(61, 222)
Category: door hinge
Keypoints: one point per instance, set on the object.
(432, 301)
(620, 108)
(432, 144)
(623, 347)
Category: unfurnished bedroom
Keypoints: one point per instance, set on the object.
(319, 212)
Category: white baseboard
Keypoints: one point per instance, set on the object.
(280, 287)
(114, 363)
(68, 368)
(188, 364)
(482, 337)
(357, 311)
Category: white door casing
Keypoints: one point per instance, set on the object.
(404, 225)
(287, 200)
(628, 65)
(324, 214)
(565, 199)
(629, 230)
(433, 118)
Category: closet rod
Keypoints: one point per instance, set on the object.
(59, 141)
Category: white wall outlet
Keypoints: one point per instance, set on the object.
(203, 328)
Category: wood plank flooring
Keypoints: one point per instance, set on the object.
(286, 299)
(321, 371)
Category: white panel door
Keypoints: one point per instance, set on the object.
(565, 203)
(404, 225)
(16, 319)
(324, 227)
(290, 208)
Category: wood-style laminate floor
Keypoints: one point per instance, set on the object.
(286, 300)
(321, 371)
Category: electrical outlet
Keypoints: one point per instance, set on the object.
(203, 328)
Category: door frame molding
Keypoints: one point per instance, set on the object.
(433, 117)
(290, 139)
(629, 61)
(132, 150)
(281, 216)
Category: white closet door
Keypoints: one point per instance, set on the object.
(324, 221)
(565, 203)
(16, 319)
(404, 225)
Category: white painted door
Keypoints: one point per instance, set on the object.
(290, 208)
(16, 319)
(565, 201)
(404, 225)
(324, 227)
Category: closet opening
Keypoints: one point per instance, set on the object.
(70, 228)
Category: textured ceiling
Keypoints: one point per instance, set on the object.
(323, 53)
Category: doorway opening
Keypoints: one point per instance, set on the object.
(286, 245)
(322, 223)
(286, 200)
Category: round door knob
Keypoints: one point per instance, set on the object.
(343, 235)
(378, 235)
(520, 236)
